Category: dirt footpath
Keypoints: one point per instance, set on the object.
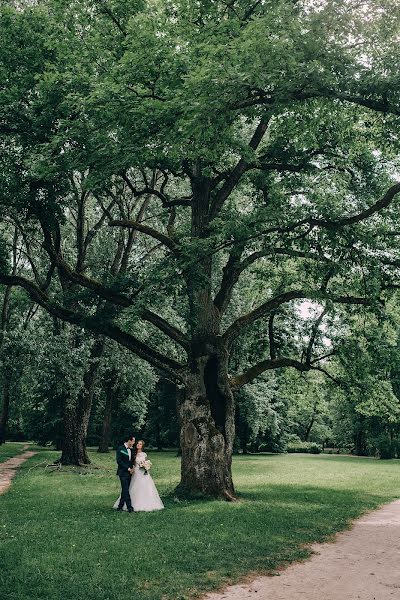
(362, 564)
(9, 468)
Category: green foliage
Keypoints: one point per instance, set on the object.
(309, 415)
(260, 415)
(365, 410)
(46, 366)
(161, 428)
(386, 447)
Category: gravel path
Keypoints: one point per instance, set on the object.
(362, 564)
(9, 468)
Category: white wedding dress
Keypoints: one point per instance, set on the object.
(144, 495)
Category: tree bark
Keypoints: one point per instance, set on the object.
(208, 428)
(74, 442)
(77, 413)
(207, 412)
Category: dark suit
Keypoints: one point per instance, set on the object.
(124, 463)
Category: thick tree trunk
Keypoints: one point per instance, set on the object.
(77, 414)
(207, 412)
(5, 411)
(74, 442)
(208, 428)
(110, 381)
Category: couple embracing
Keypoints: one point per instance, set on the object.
(138, 491)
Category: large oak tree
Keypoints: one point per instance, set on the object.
(262, 137)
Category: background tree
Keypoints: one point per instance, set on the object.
(162, 427)
(366, 407)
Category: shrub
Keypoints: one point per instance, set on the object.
(308, 447)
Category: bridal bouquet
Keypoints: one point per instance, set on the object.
(145, 465)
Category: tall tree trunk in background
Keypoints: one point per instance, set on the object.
(77, 413)
(111, 392)
(307, 432)
(158, 437)
(179, 399)
(245, 439)
(359, 437)
(5, 411)
(5, 313)
(5, 406)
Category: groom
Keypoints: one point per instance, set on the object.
(126, 460)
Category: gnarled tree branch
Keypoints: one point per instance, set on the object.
(242, 165)
(238, 381)
(157, 235)
(236, 328)
(264, 309)
(96, 325)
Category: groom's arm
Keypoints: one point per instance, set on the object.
(122, 460)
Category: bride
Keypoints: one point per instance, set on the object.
(142, 489)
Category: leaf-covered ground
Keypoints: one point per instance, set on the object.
(60, 539)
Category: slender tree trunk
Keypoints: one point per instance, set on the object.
(106, 428)
(208, 428)
(244, 441)
(311, 422)
(77, 413)
(308, 429)
(5, 315)
(5, 411)
(110, 382)
(158, 437)
(359, 440)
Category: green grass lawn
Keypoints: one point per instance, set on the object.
(60, 539)
(10, 449)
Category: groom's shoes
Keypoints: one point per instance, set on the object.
(130, 510)
(119, 509)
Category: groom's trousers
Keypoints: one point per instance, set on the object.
(125, 495)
